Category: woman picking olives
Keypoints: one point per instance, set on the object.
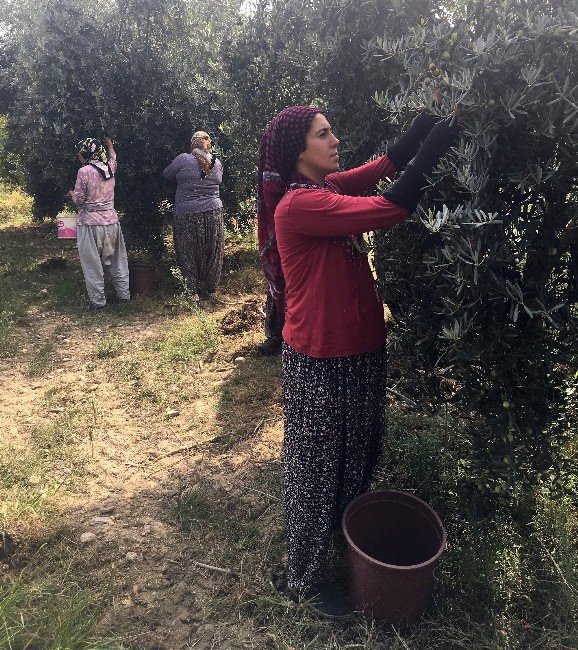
(99, 236)
(334, 357)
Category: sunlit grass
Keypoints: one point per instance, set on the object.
(15, 205)
(108, 347)
(31, 476)
(189, 339)
(42, 361)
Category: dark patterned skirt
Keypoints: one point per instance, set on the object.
(199, 244)
(333, 411)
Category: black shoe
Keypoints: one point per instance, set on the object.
(328, 600)
(90, 306)
(270, 347)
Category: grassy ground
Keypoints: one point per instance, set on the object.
(142, 447)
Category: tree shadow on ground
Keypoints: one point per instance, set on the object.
(249, 397)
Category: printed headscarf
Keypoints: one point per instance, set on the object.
(206, 159)
(91, 149)
(282, 142)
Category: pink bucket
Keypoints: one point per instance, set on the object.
(66, 225)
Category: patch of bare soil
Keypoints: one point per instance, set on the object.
(242, 319)
(139, 445)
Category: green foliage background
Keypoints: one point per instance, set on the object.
(146, 73)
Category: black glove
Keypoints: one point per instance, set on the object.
(408, 189)
(406, 146)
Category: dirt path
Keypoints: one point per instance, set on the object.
(139, 432)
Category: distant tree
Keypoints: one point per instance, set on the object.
(269, 60)
(147, 73)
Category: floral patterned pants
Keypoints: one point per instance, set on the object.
(333, 411)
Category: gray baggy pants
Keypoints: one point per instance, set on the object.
(102, 247)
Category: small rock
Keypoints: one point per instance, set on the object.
(131, 556)
(209, 629)
(102, 520)
(156, 583)
(238, 359)
(98, 329)
(87, 538)
(24, 350)
(172, 413)
(43, 292)
(146, 529)
(59, 369)
(66, 358)
(58, 409)
(158, 528)
(66, 340)
(107, 507)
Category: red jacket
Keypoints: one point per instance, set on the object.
(333, 309)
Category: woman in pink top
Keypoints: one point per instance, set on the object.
(98, 234)
(311, 217)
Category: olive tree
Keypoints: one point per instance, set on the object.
(269, 60)
(482, 281)
(146, 73)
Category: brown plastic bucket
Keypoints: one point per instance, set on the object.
(394, 543)
(141, 278)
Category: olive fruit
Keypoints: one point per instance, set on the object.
(506, 404)
(427, 81)
(446, 55)
(492, 102)
(432, 66)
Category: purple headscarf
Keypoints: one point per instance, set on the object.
(282, 142)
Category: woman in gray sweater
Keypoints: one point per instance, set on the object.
(198, 229)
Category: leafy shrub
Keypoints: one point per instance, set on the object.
(482, 281)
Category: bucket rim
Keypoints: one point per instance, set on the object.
(398, 567)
